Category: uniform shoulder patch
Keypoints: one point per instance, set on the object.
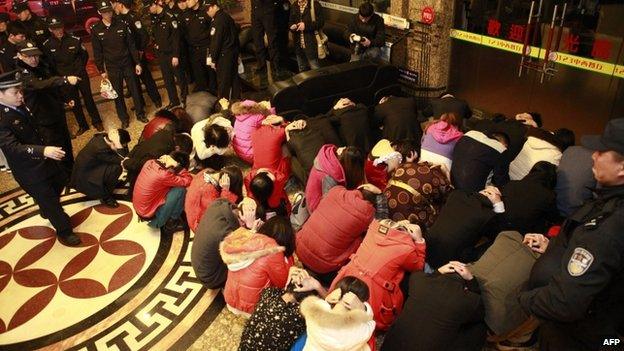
(213, 30)
(174, 24)
(579, 262)
(137, 24)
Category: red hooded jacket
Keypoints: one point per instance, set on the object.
(153, 184)
(381, 262)
(334, 231)
(326, 165)
(255, 261)
(199, 195)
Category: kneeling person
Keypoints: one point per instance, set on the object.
(98, 165)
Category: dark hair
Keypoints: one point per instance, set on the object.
(164, 113)
(183, 142)
(236, 180)
(450, 118)
(216, 135)
(405, 147)
(543, 172)
(261, 187)
(279, 228)
(185, 122)
(537, 117)
(366, 10)
(354, 285)
(369, 196)
(182, 158)
(299, 295)
(500, 136)
(124, 136)
(16, 28)
(565, 137)
(498, 117)
(352, 163)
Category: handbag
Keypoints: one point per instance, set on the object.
(321, 38)
(107, 91)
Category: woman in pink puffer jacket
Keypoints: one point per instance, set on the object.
(249, 115)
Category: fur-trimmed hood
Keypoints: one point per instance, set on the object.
(249, 107)
(331, 330)
(241, 248)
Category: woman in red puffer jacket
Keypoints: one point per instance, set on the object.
(388, 251)
(334, 231)
(256, 261)
(206, 187)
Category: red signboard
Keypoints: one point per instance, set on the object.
(427, 15)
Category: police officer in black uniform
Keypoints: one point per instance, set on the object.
(42, 95)
(263, 21)
(4, 22)
(36, 27)
(195, 25)
(577, 285)
(166, 36)
(176, 11)
(8, 48)
(34, 164)
(141, 39)
(117, 58)
(69, 58)
(224, 51)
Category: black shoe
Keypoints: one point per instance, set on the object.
(174, 225)
(125, 124)
(158, 104)
(142, 118)
(70, 239)
(109, 202)
(98, 127)
(80, 131)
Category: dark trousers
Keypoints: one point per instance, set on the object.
(170, 74)
(261, 24)
(47, 195)
(117, 75)
(227, 77)
(58, 135)
(73, 92)
(205, 79)
(147, 79)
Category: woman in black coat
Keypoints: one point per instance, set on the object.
(398, 117)
(303, 28)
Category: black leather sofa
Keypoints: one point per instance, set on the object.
(314, 92)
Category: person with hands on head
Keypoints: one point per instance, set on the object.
(444, 311)
(389, 250)
(34, 164)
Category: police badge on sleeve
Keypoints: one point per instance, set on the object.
(579, 262)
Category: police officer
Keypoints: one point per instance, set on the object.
(33, 163)
(117, 58)
(578, 283)
(141, 39)
(8, 48)
(36, 27)
(42, 95)
(263, 22)
(4, 21)
(69, 58)
(167, 46)
(224, 50)
(196, 30)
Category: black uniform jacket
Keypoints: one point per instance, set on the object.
(67, 55)
(42, 94)
(224, 42)
(23, 147)
(195, 27)
(166, 34)
(92, 165)
(113, 46)
(583, 269)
